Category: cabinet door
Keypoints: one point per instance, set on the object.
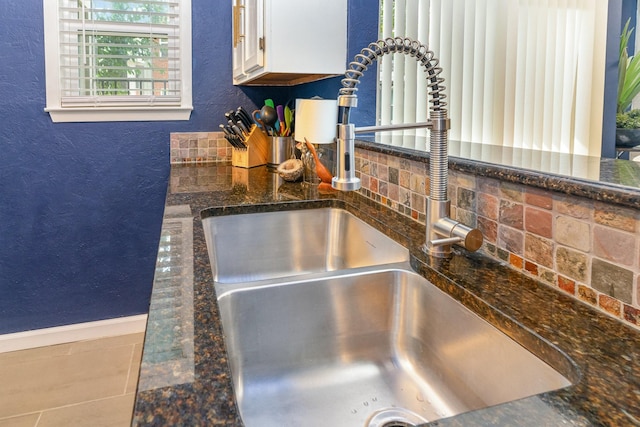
(272, 44)
(237, 38)
(253, 35)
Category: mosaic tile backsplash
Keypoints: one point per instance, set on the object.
(199, 147)
(587, 249)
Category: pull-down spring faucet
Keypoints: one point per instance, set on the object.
(442, 231)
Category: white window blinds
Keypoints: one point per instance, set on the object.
(518, 73)
(114, 54)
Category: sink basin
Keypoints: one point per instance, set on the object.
(368, 348)
(260, 246)
(326, 324)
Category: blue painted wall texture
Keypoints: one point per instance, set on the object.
(81, 204)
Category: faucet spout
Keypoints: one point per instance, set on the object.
(345, 179)
(442, 231)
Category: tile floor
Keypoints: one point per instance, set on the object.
(76, 384)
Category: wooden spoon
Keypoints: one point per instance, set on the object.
(321, 170)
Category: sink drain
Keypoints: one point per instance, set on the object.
(398, 424)
(395, 417)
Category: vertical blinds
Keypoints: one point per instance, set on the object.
(118, 53)
(519, 73)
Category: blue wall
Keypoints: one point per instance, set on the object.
(81, 204)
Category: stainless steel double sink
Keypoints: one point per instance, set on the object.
(326, 324)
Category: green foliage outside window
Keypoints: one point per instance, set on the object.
(127, 63)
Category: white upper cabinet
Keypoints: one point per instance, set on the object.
(288, 42)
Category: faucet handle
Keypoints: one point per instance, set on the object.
(454, 232)
(473, 240)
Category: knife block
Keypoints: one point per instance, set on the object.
(255, 154)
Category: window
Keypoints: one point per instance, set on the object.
(523, 74)
(110, 60)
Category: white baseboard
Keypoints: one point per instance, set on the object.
(71, 333)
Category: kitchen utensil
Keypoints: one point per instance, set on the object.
(234, 141)
(288, 120)
(269, 116)
(321, 170)
(280, 124)
(244, 128)
(226, 131)
(245, 117)
(230, 136)
(269, 103)
(234, 121)
(241, 122)
(258, 119)
(240, 142)
(236, 129)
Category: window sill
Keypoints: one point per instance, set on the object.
(114, 114)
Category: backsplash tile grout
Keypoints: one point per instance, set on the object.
(199, 147)
(584, 248)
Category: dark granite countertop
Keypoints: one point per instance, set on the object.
(602, 179)
(197, 391)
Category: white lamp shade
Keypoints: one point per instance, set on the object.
(316, 120)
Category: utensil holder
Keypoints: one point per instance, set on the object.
(280, 149)
(255, 154)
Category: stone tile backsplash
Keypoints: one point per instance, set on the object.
(199, 147)
(585, 248)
